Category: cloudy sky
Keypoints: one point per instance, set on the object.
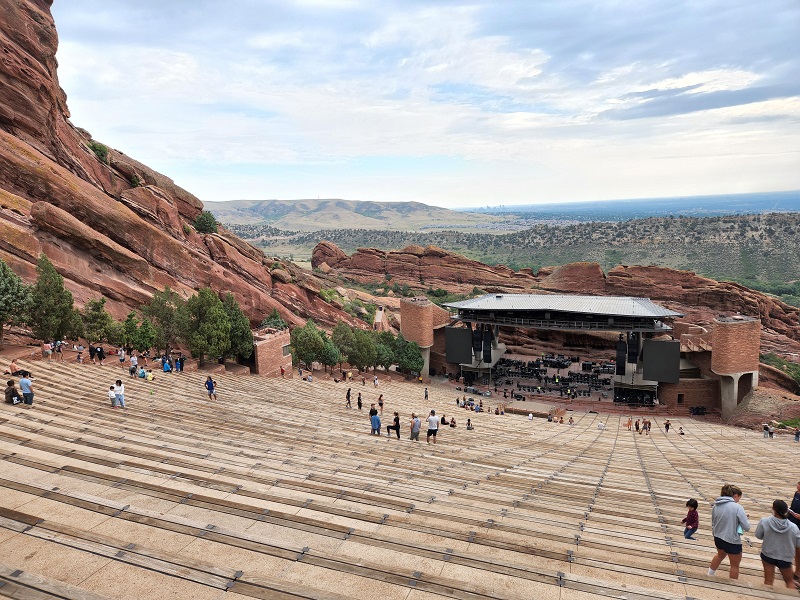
(451, 103)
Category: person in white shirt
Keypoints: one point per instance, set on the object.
(119, 393)
(433, 427)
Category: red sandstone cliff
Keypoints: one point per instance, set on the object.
(117, 229)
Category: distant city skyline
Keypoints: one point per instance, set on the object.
(453, 104)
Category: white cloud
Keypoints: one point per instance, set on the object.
(521, 106)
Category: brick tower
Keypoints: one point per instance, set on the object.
(736, 342)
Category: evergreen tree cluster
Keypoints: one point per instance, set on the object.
(208, 324)
(359, 347)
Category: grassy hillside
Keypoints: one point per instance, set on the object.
(313, 215)
(760, 251)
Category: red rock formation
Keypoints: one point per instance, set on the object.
(419, 267)
(114, 228)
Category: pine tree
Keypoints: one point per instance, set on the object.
(206, 326)
(241, 334)
(165, 313)
(97, 323)
(308, 343)
(15, 299)
(52, 315)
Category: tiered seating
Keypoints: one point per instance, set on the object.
(277, 491)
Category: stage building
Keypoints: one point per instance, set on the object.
(658, 361)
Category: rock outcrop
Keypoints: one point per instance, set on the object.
(419, 267)
(111, 225)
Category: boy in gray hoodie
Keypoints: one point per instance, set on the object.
(781, 537)
(728, 521)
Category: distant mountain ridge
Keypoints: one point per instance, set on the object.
(334, 213)
(642, 208)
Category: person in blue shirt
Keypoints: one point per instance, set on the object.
(211, 388)
(26, 387)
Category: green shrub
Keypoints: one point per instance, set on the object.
(274, 320)
(100, 151)
(135, 180)
(205, 223)
(328, 294)
(187, 229)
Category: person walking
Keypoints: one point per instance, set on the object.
(415, 427)
(433, 427)
(728, 522)
(637, 427)
(395, 425)
(359, 402)
(380, 403)
(666, 426)
(211, 388)
(26, 387)
(133, 369)
(100, 353)
(781, 539)
(347, 399)
(426, 393)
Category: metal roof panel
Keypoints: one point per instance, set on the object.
(622, 306)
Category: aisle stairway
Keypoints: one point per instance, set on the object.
(277, 491)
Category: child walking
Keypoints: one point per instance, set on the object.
(112, 396)
(692, 520)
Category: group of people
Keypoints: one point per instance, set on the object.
(25, 393)
(55, 347)
(415, 425)
(360, 401)
(554, 419)
(779, 533)
(116, 394)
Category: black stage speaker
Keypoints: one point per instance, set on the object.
(487, 344)
(622, 350)
(458, 345)
(662, 360)
(477, 339)
(633, 347)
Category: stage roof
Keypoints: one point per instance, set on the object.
(562, 311)
(612, 306)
